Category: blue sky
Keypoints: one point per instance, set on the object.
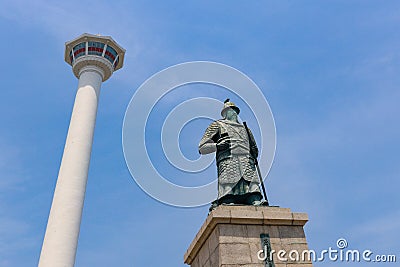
(329, 70)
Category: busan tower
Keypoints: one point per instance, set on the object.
(93, 59)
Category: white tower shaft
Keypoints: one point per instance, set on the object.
(61, 238)
(93, 58)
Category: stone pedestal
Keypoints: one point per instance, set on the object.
(234, 235)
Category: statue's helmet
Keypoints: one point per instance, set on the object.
(227, 105)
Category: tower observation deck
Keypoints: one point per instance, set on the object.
(95, 50)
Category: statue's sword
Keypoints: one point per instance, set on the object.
(256, 163)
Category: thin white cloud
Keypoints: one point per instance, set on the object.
(67, 20)
(11, 168)
(350, 133)
(380, 229)
(14, 230)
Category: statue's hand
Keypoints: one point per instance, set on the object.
(207, 148)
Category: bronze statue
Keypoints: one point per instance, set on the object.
(236, 156)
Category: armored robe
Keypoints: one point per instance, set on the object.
(235, 151)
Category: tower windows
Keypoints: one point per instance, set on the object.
(96, 49)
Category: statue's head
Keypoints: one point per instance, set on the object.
(229, 110)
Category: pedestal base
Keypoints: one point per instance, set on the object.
(235, 235)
